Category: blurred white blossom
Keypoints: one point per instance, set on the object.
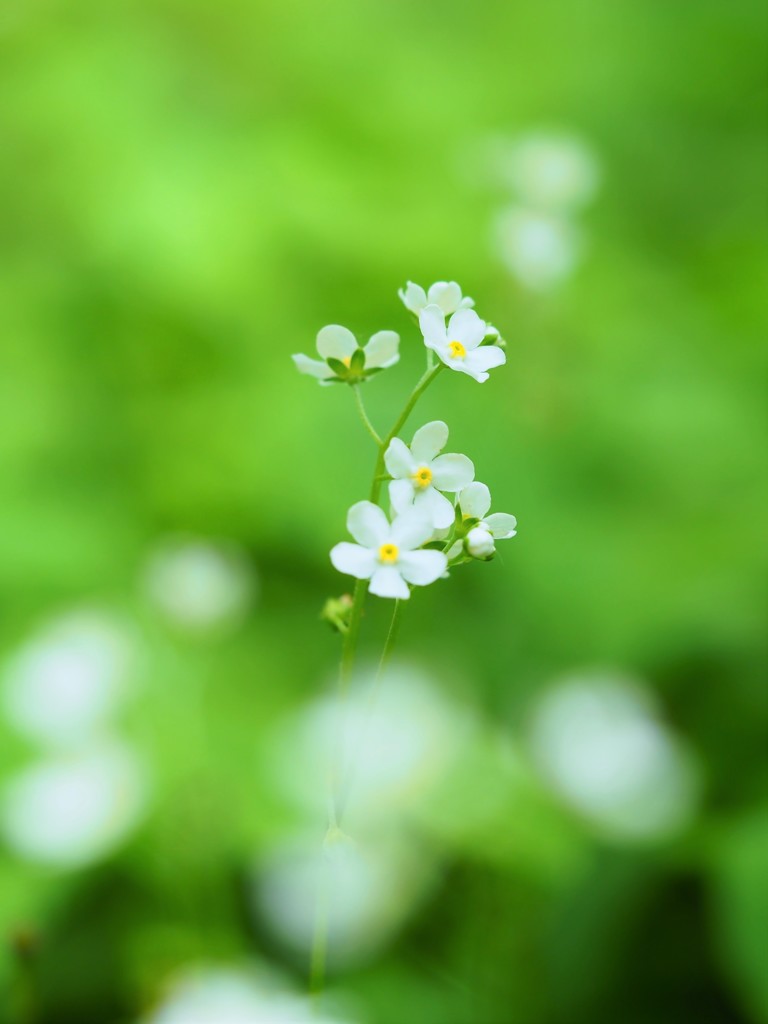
(601, 744)
(367, 890)
(199, 584)
(540, 249)
(72, 809)
(550, 171)
(549, 178)
(390, 750)
(70, 677)
(222, 995)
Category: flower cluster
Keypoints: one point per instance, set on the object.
(438, 511)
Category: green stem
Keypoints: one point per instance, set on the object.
(364, 415)
(386, 654)
(349, 645)
(418, 391)
(318, 952)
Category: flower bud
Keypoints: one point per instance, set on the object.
(479, 543)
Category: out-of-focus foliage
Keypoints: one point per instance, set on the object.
(188, 192)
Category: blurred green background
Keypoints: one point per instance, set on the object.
(189, 192)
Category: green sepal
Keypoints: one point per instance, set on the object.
(341, 371)
(357, 362)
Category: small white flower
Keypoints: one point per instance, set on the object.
(458, 344)
(474, 502)
(336, 342)
(419, 474)
(445, 294)
(387, 554)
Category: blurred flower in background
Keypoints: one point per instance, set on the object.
(600, 741)
(228, 995)
(551, 178)
(71, 677)
(391, 741)
(74, 808)
(198, 584)
(367, 887)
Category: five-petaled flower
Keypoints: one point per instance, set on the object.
(445, 294)
(420, 473)
(474, 502)
(387, 553)
(459, 343)
(338, 344)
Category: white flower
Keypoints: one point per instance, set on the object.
(474, 502)
(445, 294)
(458, 344)
(386, 554)
(420, 473)
(336, 342)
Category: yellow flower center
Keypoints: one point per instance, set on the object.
(456, 350)
(388, 553)
(347, 360)
(423, 477)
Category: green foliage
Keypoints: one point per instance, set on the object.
(188, 192)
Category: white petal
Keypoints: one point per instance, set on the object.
(387, 582)
(461, 366)
(401, 494)
(429, 440)
(502, 525)
(446, 295)
(437, 507)
(398, 459)
(353, 560)
(485, 358)
(432, 324)
(381, 350)
(368, 524)
(411, 529)
(336, 342)
(413, 297)
(422, 567)
(467, 327)
(314, 367)
(466, 303)
(444, 355)
(452, 472)
(475, 500)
